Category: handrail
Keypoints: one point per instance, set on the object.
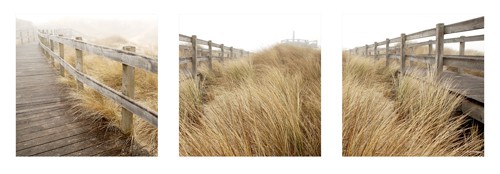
(129, 61)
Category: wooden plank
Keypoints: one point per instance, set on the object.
(428, 59)
(131, 59)
(474, 110)
(184, 38)
(184, 60)
(52, 137)
(465, 39)
(136, 108)
(410, 45)
(421, 34)
(128, 88)
(90, 141)
(49, 146)
(469, 62)
(439, 48)
(395, 40)
(468, 25)
(201, 42)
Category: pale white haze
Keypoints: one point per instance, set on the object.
(250, 32)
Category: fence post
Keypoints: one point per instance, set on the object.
(231, 51)
(439, 48)
(61, 54)
(402, 53)
(21, 36)
(241, 55)
(430, 47)
(375, 51)
(128, 88)
(79, 64)
(52, 62)
(210, 55)
(194, 56)
(461, 52)
(387, 51)
(366, 50)
(411, 53)
(222, 52)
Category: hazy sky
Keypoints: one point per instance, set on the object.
(358, 30)
(250, 32)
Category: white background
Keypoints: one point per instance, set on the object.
(331, 161)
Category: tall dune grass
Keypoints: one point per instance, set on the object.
(105, 112)
(265, 105)
(387, 115)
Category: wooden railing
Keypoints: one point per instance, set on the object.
(198, 54)
(438, 59)
(25, 36)
(127, 57)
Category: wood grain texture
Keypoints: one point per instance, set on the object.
(44, 124)
(124, 101)
(131, 59)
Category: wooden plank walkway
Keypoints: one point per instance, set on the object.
(469, 86)
(44, 126)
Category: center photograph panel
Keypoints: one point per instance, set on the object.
(247, 90)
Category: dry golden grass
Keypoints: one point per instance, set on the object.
(92, 105)
(384, 115)
(265, 105)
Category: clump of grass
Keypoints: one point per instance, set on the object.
(266, 105)
(419, 119)
(92, 105)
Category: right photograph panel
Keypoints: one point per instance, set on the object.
(412, 85)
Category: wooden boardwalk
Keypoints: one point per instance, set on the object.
(44, 126)
(469, 86)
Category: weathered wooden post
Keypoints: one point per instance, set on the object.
(194, 56)
(52, 62)
(402, 53)
(439, 49)
(128, 88)
(222, 52)
(461, 52)
(375, 51)
(79, 64)
(411, 53)
(430, 47)
(241, 55)
(366, 50)
(387, 41)
(231, 53)
(21, 36)
(210, 55)
(61, 54)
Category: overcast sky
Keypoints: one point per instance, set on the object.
(358, 30)
(250, 32)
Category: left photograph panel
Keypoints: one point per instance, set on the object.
(86, 85)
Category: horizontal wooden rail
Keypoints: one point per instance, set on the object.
(196, 51)
(185, 38)
(469, 25)
(134, 107)
(131, 59)
(450, 40)
(405, 50)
